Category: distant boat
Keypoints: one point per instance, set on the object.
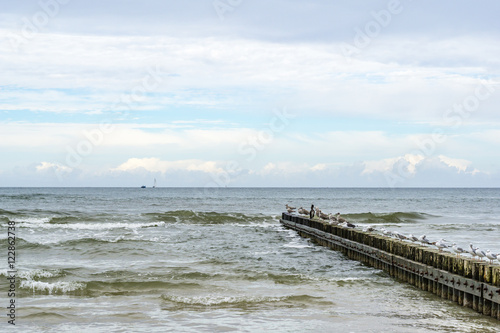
(154, 184)
(143, 186)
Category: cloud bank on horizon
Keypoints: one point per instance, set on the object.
(250, 93)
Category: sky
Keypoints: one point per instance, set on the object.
(216, 93)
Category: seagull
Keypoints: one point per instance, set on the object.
(368, 229)
(290, 211)
(332, 217)
(471, 250)
(399, 235)
(480, 253)
(412, 238)
(457, 249)
(423, 239)
(347, 225)
(385, 232)
(491, 256)
(303, 211)
(288, 207)
(340, 218)
(440, 244)
(321, 214)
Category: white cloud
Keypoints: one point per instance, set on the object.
(385, 165)
(156, 165)
(56, 167)
(71, 73)
(460, 164)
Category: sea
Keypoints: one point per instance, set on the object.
(218, 260)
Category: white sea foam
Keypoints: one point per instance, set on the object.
(38, 273)
(31, 220)
(56, 287)
(218, 300)
(97, 226)
(296, 245)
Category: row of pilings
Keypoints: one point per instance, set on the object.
(471, 283)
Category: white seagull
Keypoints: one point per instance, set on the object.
(303, 211)
(399, 235)
(480, 253)
(491, 256)
(340, 218)
(385, 232)
(471, 250)
(321, 214)
(412, 238)
(347, 225)
(440, 244)
(457, 249)
(423, 239)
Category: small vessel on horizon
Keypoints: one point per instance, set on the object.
(143, 186)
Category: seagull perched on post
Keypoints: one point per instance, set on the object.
(346, 224)
(412, 238)
(399, 235)
(471, 250)
(423, 239)
(303, 211)
(340, 218)
(289, 207)
(457, 249)
(321, 215)
(480, 253)
(440, 244)
(385, 232)
(491, 256)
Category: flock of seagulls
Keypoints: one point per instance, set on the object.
(315, 211)
(441, 244)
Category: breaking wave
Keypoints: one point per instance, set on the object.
(396, 217)
(241, 302)
(189, 216)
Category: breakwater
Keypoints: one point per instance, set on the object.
(470, 283)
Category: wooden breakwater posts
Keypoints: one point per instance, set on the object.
(471, 283)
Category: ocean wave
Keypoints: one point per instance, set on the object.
(245, 301)
(31, 220)
(37, 274)
(23, 244)
(189, 216)
(50, 288)
(43, 223)
(393, 218)
(152, 286)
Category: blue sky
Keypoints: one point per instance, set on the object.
(249, 93)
